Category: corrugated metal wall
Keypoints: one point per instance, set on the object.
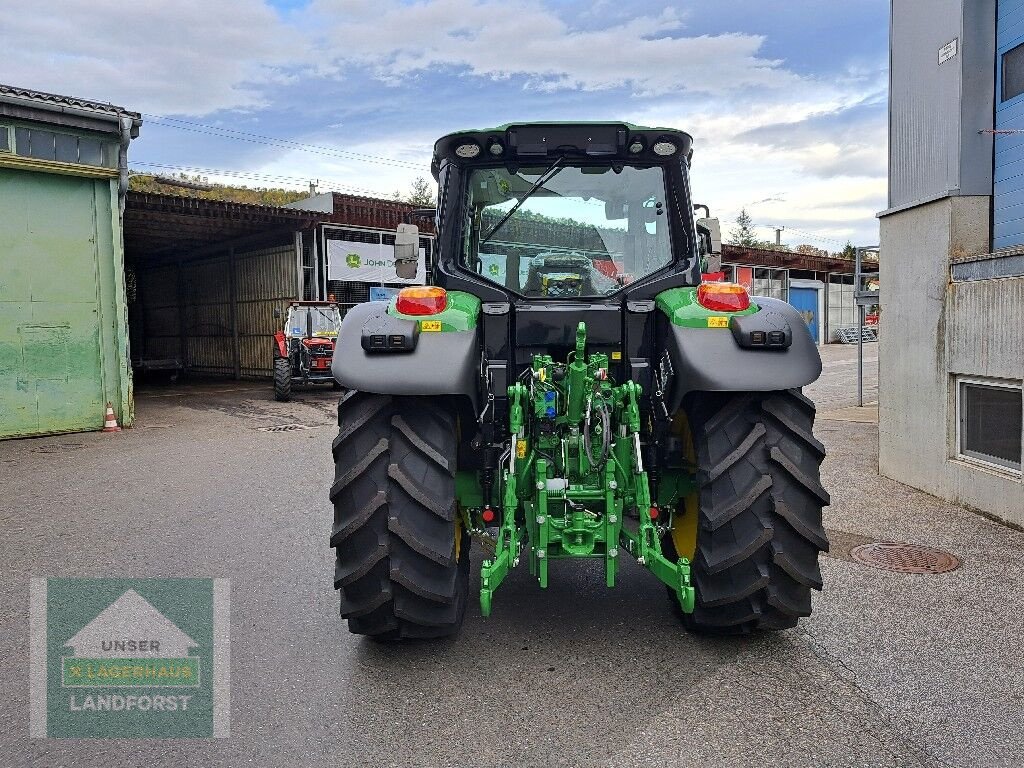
(985, 328)
(195, 310)
(938, 112)
(265, 279)
(1008, 199)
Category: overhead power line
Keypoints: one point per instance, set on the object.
(328, 185)
(801, 232)
(817, 237)
(256, 138)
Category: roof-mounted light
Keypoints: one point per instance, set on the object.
(468, 150)
(636, 146)
(664, 147)
(495, 148)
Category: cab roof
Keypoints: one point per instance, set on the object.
(537, 141)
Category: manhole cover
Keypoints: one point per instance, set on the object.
(58, 447)
(284, 428)
(904, 558)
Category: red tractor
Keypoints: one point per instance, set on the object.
(304, 348)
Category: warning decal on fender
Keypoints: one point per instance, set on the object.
(430, 325)
(718, 322)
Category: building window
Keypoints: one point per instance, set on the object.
(759, 281)
(1013, 73)
(990, 415)
(62, 147)
(5, 138)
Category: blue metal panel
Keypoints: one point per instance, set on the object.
(1008, 168)
(805, 301)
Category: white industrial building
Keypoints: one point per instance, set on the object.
(951, 353)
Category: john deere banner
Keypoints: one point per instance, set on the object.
(368, 263)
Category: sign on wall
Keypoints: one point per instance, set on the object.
(380, 293)
(368, 263)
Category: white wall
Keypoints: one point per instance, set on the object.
(932, 330)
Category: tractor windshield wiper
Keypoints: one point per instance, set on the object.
(543, 179)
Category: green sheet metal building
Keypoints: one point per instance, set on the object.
(63, 330)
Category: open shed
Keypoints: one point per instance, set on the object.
(204, 278)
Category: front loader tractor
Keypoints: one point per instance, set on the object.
(573, 385)
(304, 347)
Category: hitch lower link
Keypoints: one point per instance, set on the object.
(578, 533)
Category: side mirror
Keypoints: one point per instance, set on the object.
(277, 312)
(710, 233)
(407, 251)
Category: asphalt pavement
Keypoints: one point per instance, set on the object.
(891, 670)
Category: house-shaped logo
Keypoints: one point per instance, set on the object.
(129, 658)
(131, 627)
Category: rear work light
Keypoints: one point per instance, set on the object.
(723, 297)
(421, 300)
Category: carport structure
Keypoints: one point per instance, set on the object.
(203, 278)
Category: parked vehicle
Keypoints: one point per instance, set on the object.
(570, 388)
(304, 347)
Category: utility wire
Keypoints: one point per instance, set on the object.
(256, 138)
(816, 237)
(811, 235)
(330, 185)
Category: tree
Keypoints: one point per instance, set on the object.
(849, 252)
(744, 233)
(198, 186)
(421, 194)
(809, 250)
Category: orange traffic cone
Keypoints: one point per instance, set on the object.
(110, 424)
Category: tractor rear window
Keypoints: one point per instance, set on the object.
(555, 231)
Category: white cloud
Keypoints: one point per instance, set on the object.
(761, 131)
(524, 38)
(821, 148)
(186, 56)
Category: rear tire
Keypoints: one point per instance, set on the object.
(396, 563)
(282, 379)
(759, 527)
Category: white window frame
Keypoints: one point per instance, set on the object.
(990, 462)
(9, 130)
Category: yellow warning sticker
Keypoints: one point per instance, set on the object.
(718, 322)
(520, 449)
(430, 325)
(616, 355)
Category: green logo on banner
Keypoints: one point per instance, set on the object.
(353, 260)
(129, 658)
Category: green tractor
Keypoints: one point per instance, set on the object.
(573, 385)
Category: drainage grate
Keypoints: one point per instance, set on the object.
(58, 447)
(284, 428)
(904, 558)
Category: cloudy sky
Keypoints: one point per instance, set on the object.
(785, 100)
